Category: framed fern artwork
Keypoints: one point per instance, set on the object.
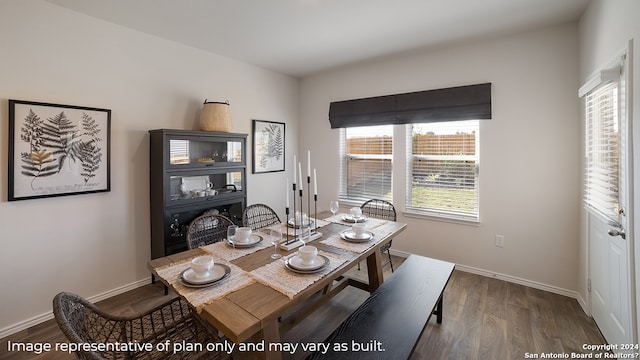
(57, 150)
(268, 146)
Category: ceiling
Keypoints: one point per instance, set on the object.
(303, 37)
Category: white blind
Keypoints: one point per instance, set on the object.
(365, 172)
(602, 171)
(442, 169)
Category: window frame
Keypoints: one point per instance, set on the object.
(411, 209)
(343, 195)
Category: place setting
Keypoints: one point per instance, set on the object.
(357, 238)
(240, 241)
(358, 234)
(355, 216)
(204, 279)
(203, 272)
(294, 273)
(242, 237)
(306, 261)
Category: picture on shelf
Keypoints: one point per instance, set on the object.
(57, 150)
(268, 146)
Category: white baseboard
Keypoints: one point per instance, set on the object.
(12, 329)
(519, 281)
(513, 279)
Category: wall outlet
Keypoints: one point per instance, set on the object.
(499, 240)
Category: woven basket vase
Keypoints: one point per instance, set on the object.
(215, 116)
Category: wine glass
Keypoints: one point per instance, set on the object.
(334, 206)
(231, 234)
(276, 239)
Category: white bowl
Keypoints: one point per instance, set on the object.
(356, 212)
(307, 253)
(358, 229)
(201, 265)
(242, 234)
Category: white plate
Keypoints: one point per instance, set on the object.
(254, 239)
(200, 286)
(349, 218)
(295, 262)
(350, 235)
(217, 273)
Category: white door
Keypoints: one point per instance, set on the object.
(607, 200)
(610, 295)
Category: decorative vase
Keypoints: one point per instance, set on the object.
(215, 116)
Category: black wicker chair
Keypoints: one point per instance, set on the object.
(174, 321)
(380, 209)
(207, 229)
(258, 216)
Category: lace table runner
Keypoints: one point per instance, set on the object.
(223, 251)
(200, 297)
(276, 276)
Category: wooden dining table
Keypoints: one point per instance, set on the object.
(258, 312)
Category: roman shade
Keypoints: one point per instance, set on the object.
(450, 104)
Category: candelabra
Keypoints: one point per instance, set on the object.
(313, 233)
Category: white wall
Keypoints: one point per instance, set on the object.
(604, 30)
(529, 172)
(93, 244)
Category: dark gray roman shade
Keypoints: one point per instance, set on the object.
(471, 102)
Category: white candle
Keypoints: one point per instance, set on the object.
(315, 182)
(309, 163)
(294, 169)
(300, 175)
(287, 191)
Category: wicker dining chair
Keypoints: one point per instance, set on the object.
(207, 229)
(380, 209)
(173, 322)
(258, 216)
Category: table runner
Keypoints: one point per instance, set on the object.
(200, 297)
(276, 276)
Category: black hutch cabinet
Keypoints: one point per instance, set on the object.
(193, 172)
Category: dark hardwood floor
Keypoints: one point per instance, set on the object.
(484, 318)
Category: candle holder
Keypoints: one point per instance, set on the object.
(309, 201)
(294, 217)
(313, 233)
(286, 211)
(315, 211)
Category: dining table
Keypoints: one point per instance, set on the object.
(261, 297)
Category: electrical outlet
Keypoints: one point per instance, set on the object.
(499, 240)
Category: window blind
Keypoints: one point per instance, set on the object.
(442, 169)
(447, 104)
(365, 171)
(602, 171)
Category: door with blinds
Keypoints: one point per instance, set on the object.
(606, 199)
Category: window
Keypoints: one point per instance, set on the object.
(365, 172)
(602, 151)
(442, 169)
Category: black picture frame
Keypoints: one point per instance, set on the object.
(268, 150)
(57, 150)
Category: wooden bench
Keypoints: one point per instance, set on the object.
(389, 323)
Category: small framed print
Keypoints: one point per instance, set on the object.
(57, 150)
(268, 146)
